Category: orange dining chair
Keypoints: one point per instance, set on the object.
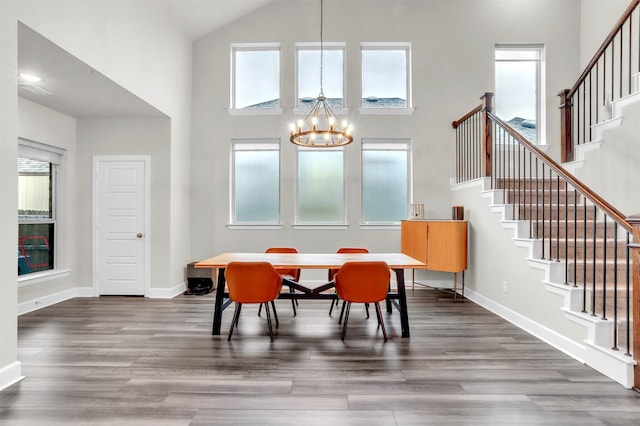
(287, 274)
(252, 282)
(363, 282)
(332, 272)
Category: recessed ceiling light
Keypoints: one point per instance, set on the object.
(30, 77)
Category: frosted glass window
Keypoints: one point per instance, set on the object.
(256, 77)
(321, 186)
(385, 181)
(385, 77)
(309, 76)
(256, 183)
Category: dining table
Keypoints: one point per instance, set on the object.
(397, 262)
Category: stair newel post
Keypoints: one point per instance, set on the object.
(566, 139)
(635, 256)
(487, 136)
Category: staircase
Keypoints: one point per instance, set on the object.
(575, 237)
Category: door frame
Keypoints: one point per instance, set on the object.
(97, 160)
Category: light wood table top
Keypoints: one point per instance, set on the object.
(313, 260)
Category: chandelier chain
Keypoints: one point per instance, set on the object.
(321, 46)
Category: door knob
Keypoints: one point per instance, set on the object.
(139, 235)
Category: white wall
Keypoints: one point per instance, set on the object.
(10, 368)
(135, 44)
(597, 19)
(612, 170)
(128, 136)
(452, 48)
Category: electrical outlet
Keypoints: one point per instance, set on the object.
(505, 286)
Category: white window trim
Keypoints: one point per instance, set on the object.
(386, 144)
(409, 109)
(232, 110)
(344, 110)
(42, 152)
(253, 144)
(321, 225)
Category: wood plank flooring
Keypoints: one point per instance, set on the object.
(136, 361)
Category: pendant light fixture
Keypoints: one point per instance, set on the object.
(321, 128)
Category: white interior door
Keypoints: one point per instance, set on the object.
(120, 222)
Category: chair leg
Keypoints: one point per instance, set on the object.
(381, 321)
(341, 311)
(275, 313)
(294, 301)
(260, 309)
(366, 307)
(346, 319)
(266, 309)
(234, 321)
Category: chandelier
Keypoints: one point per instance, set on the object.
(321, 128)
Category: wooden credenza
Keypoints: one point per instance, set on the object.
(441, 244)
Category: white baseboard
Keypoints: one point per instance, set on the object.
(558, 341)
(167, 293)
(614, 366)
(10, 374)
(52, 299)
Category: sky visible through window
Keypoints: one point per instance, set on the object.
(516, 81)
(257, 75)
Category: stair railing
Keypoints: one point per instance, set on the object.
(611, 74)
(572, 223)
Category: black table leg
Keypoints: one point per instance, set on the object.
(217, 310)
(402, 299)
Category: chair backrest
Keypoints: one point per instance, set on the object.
(292, 272)
(252, 282)
(332, 272)
(363, 282)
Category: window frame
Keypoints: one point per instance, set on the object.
(540, 80)
(253, 144)
(387, 144)
(301, 224)
(388, 46)
(52, 155)
(342, 46)
(253, 47)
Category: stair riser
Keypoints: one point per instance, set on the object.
(553, 212)
(578, 230)
(527, 197)
(578, 249)
(533, 184)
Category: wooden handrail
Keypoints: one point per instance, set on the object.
(604, 46)
(468, 115)
(610, 211)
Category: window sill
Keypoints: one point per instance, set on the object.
(254, 226)
(376, 226)
(320, 226)
(387, 111)
(255, 111)
(39, 277)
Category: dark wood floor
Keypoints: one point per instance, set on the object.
(123, 361)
